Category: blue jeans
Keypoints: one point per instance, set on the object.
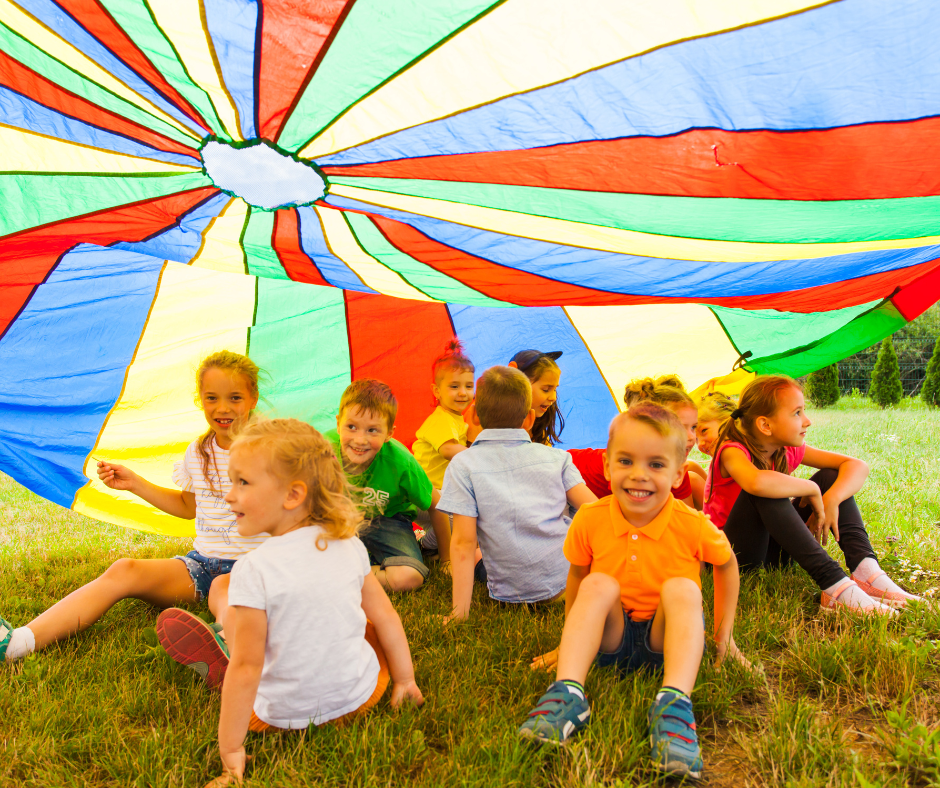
(635, 651)
(391, 542)
(203, 570)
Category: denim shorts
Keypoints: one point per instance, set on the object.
(635, 651)
(203, 570)
(391, 542)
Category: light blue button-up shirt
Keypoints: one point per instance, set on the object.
(517, 490)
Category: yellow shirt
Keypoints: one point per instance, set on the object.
(438, 428)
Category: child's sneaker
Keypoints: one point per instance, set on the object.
(558, 715)
(192, 642)
(6, 634)
(673, 737)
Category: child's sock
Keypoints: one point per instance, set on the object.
(575, 687)
(22, 644)
(869, 568)
(853, 596)
(671, 691)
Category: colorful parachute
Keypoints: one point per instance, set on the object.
(339, 187)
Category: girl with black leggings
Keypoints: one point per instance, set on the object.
(749, 491)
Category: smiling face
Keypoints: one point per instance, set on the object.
(642, 468)
(454, 392)
(226, 401)
(706, 433)
(545, 391)
(361, 435)
(789, 422)
(261, 502)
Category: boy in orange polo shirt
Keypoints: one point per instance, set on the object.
(634, 594)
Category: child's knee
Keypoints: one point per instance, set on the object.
(600, 586)
(218, 593)
(122, 572)
(682, 591)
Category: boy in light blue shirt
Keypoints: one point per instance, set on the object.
(512, 495)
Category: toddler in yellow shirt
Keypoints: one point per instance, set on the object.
(444, 432)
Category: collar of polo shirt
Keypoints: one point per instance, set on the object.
(654, 530)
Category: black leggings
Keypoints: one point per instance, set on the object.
(772, 532)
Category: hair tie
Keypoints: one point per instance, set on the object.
(737, 413)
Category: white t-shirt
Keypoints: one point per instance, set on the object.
(317, 663)
(216, 533)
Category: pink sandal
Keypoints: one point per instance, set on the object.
(890, 598)
(829, 603)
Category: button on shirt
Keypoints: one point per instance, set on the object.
(642, 559)
(517, 490)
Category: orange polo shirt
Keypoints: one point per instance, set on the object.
(642, 559)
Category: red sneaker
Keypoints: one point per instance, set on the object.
(192, 642)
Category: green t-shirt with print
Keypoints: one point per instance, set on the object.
(394, 483)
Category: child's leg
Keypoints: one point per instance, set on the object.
(440, 522)
(594, 624)
(678, 631)
(854, 542)
(218, 604)
(162, 582)
(392, 542)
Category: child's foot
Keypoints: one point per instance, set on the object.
(847, 594)
(881, 587)
(559, 714)
(15, 643)
(192, 642)
(673, 738)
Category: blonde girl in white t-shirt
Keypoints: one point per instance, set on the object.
(227, 383)
(316, 636)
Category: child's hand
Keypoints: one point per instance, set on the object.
(472, 422)
(117, 477)
(730, 650)
(234, 765)
(452, 617)
(406, 690)
(545, 661)
(445, 568)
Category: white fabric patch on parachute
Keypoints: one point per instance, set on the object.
(261, 175)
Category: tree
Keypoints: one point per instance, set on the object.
(931, 389)
(886, 378)
(823, 386)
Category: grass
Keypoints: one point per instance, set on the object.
(845, 701)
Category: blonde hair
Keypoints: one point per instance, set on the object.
(504, 398)
(372, 396)
(759, 398)
(666, 390)
(716, 406)
(660, 418)
(297, 452)
(234, 364)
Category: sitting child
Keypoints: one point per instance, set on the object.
(749, 492)
(714, 409)
(513, 495)
(317, 637)
(444, 434)
(669, 392)
(544, 377)
(634, 595)
(392, 486)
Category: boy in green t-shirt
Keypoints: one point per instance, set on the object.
(394, 486)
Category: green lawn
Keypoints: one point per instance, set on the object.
(845, 702)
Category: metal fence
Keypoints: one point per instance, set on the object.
(855, 371)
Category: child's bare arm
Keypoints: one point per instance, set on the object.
(694, 468)
(378, 609)
(241, 684)
(727, 584)
(179, 503)
(451, 449)
(765, 484)
(576, 575)
(579, 495)
(463, 545)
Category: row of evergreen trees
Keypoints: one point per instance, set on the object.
(822, 387)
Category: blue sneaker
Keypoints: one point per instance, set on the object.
(673, 738)
(557, 716)
(6, 635)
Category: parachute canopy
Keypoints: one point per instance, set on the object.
(338, 188)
